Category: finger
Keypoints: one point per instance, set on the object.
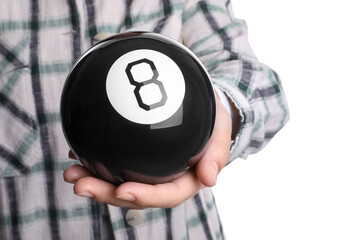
(101, 191)
(166, 195)
(218, 151)
(74, 173)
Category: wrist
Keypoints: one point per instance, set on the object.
(231, 109)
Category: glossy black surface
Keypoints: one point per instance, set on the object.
(118, 149)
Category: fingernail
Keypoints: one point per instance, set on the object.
(214, 170)
(86, 194)
(126, 197)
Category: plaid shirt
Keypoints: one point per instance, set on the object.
(39, 42)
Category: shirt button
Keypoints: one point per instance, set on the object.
(134, 217)
(99, 37)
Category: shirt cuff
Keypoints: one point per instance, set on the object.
(224, 100)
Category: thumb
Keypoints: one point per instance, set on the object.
(217, 153)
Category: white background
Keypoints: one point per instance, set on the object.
(306, 183)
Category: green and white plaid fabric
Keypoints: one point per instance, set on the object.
(39, 42)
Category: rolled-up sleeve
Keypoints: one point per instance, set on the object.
(220, 40)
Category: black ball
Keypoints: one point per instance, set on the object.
(138, 107)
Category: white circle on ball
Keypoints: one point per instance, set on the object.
(145, 86)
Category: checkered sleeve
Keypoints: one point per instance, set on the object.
(221, 44)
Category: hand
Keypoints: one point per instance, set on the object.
(166, 195)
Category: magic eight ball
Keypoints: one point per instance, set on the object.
(138, 107)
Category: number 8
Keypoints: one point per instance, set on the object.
(139, 85)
